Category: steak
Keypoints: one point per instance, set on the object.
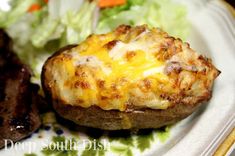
(18, 112)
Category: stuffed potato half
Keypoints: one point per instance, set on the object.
(133, 77)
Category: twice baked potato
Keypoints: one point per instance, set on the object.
(129, 78)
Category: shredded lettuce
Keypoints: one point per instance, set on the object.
(165, 14)
(70, 26)
(19, 8)
(38, 34)
(44, 32)
(79, 24)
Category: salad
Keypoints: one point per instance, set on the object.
(40, 27)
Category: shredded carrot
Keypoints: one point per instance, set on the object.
(110, 3)
(34, 7)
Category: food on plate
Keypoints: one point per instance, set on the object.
(108, 3)
(18, 113)
(131, 78)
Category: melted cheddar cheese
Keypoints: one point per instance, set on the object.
(129, 66)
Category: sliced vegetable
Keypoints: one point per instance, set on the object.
(110, 3)
(34, 7)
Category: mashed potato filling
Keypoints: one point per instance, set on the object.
(131, 66)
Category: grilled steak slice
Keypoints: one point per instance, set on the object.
(18, 114)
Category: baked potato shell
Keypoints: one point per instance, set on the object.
(132, 118)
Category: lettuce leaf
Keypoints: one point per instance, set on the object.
(38, 34)
(165, 14)
(79, 24)
(19, 8)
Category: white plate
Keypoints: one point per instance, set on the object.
(213, 34)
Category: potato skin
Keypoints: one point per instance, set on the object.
(132, 118)
(116, 120)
